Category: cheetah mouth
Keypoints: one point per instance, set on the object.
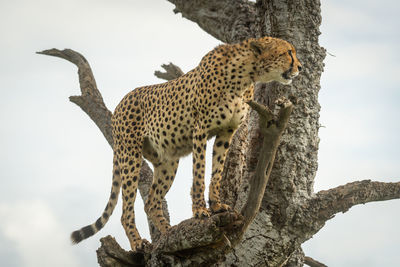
(287, 77)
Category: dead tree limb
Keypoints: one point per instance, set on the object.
(111, 254)
(90, 100)
(172, 71)
(272, 130)
(313, 213)
(325, 204)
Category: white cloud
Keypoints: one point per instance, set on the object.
(38, 237)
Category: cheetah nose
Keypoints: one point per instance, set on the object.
(299, 68)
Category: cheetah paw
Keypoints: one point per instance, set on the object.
(201, 213)
(140, 245)
(218, 207)
(164, 228)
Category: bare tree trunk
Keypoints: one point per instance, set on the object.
(289, 212)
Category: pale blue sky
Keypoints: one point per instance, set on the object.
(55, 169)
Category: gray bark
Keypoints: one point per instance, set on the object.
(289, 211)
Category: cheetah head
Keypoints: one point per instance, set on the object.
(274, 60)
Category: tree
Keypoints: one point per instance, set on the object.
(290, 212)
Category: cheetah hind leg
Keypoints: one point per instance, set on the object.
(164, 174)
(130, 161)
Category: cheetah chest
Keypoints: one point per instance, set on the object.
(229, 115)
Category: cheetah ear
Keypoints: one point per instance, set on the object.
(256, 48)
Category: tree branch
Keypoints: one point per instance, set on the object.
(314, 212)
(272, 130)
(111, 254)
(91, 100)
(227, 20)
(325, 204)
(171, 72)
(313, 263)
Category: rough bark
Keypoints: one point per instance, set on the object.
(227, 20)
(289, 211)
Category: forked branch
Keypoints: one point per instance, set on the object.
(172, 71)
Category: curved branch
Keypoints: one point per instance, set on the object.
(91, 100)
(313, 213)
(227, 20)
(325, 204)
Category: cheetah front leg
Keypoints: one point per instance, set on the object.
(221, 145)
(199, 152)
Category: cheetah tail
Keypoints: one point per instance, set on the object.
(89, 230)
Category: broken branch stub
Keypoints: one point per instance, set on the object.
(172, 71)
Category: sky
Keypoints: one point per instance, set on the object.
(55, 165)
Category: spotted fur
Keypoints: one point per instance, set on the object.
(164, 122)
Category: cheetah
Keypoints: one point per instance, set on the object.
(167, 121)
